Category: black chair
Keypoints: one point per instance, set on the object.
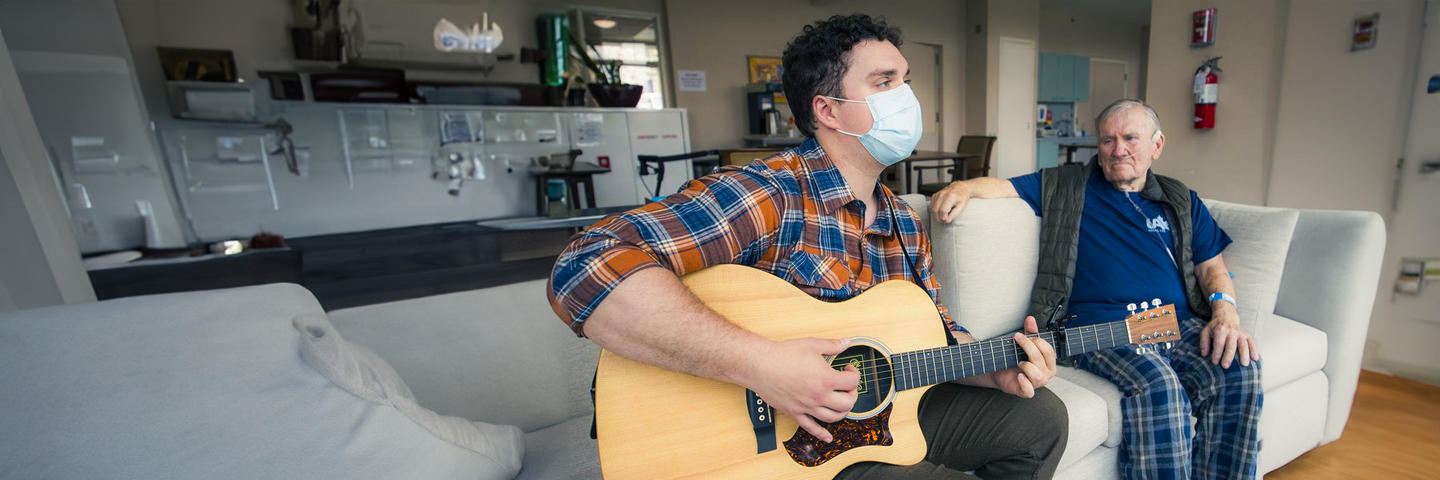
(979, 166)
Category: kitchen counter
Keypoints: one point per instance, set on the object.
(357, 268)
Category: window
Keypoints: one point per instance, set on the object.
(632, 39)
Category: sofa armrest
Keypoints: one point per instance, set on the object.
(1330, 281)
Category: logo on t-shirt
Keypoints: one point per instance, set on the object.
(1157, 224)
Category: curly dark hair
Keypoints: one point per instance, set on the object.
(816, 60)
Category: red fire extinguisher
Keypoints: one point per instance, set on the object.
(1207, 91)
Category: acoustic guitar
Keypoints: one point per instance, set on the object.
(656, 423)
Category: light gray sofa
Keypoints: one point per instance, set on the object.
(500, 355)
(1306, 296)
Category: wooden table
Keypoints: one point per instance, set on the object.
(924, 155)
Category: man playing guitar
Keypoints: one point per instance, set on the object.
(817, 217)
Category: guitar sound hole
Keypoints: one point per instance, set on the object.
(875, 377)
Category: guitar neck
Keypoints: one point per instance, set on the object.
(921, 368)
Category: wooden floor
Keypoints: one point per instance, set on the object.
(1393, 432)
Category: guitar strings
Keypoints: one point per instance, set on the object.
(952, 350)
(991, 349)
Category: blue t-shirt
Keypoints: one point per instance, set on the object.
(1125, 250)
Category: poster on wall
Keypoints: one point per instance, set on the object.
(589, 129)
(765, 69)
(1366, 29)
(691, 80)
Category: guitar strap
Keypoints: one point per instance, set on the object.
(905, 252)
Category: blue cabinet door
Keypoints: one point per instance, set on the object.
(1047, 153)
(1064, 78)
(1045, 84)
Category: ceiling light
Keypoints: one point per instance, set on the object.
(604, 23)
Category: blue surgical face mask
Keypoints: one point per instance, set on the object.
(896, 124)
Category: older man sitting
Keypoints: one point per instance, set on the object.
(1111, 233)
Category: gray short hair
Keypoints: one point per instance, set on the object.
(1126, 104)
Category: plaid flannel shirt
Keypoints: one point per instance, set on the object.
(791, 215)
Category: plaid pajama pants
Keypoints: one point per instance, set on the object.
(1163, 391)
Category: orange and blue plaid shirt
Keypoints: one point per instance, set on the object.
(791, 215)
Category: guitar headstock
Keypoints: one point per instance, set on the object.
(1153, 325)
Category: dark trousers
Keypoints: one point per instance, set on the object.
(989, 432)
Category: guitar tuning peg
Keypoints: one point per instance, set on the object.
(1155, 301)
(1131, 307)
(1144, 305)
(1167, 345)
(1139, 350)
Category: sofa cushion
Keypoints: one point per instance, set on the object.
(1107, 392)
(495, 354)
(1257, 258)
(1089, 419)
(1103, 462)
(561, 451)
(196, 385)
(985, 264)
(1292, 421)
(361, 372)
(1290, 350)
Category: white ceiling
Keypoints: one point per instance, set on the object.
(1135, 12)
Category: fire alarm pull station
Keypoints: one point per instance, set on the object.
(1202, 28)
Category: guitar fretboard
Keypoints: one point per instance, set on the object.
(920, 368)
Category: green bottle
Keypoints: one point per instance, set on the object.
(553, 29)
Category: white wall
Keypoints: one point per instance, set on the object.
(1303, 122)
(39, 264)
(715, 37)
(1231, 161)
(977, 21)
(1405, 328)
(1342, 122)
(1342, 114)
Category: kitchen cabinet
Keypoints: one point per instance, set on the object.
(1063, 78)
(1047, 153)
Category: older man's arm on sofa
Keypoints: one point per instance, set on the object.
(1223, 339)
(946, 204)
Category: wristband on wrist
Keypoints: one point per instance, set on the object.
(1222, 296)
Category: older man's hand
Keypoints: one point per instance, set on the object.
(1223, 339)
(947, 203)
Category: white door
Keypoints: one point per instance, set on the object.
(1015, 135)
(924, 61)
(1109, 81)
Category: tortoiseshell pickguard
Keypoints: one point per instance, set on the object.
(806, 450)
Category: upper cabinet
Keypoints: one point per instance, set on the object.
(1063, 78)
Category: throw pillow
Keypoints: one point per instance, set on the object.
(363, 373)
(213, 384)
(1257, 257)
